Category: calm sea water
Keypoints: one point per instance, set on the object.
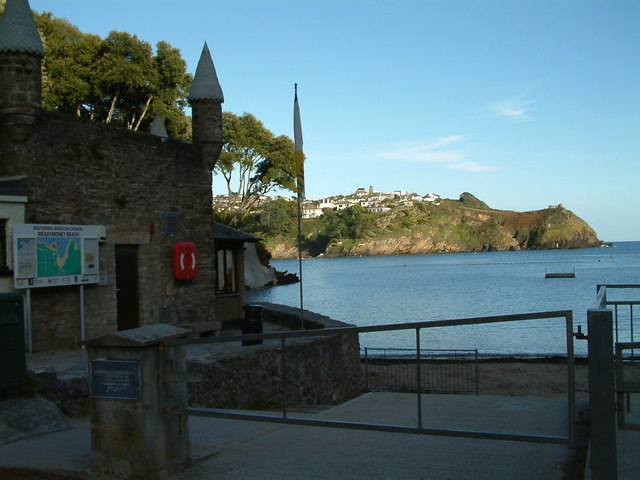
(398, 289)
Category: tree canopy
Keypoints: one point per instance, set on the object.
(255, 159)
(118, 79)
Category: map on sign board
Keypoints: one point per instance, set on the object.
(58, 257)
(54, 255)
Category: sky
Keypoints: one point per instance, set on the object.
(523, 103)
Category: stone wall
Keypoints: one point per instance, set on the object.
(318, 370)
(82, 172)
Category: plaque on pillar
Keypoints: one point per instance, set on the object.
(115, 379)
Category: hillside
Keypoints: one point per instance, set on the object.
(464, 225)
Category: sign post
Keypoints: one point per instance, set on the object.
(53, 256)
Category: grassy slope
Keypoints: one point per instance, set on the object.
(452, 226)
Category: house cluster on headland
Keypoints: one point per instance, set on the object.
(371, 200)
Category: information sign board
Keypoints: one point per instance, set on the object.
(115, 379)
(54, 255)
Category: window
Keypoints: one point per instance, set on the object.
(4, 267)
(226, 281)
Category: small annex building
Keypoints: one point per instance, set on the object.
(230, 281)
(132, 208)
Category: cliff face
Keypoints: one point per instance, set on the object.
(459, 226)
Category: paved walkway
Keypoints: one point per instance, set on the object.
(228, 449)
(233, 449)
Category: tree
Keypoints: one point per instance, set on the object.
(126, 78)
(116, 80)
(352, 222)
(273, 218)
(68, 73)
(257, 159)
(172, 90)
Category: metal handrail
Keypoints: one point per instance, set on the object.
(416, 326)
(603, 303)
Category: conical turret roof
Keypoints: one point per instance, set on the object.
(157, 128)
(205, 84)
(18, 32)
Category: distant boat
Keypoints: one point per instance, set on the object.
(560, 274)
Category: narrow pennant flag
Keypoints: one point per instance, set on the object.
(297, 140)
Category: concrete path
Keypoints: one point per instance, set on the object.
(296, 452)
(234, 449)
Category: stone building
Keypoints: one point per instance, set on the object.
(143, 193)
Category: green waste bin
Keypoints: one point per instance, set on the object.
(12, 353)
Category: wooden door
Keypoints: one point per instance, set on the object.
(127, 292)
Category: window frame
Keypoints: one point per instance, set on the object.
(226, 271)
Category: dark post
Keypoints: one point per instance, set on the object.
(252, 323)
(12, 356)
(604, 459)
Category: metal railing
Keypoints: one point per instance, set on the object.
(606, 378)
(623, 312)
(566, 316)
(627, 383)
(443, 371)
(627, 361)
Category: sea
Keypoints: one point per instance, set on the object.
(416, 288)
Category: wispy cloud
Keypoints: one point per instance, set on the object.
(473, 167)
(448, 150)
(435, 151)
(517, 108)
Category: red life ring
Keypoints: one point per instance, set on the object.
(185, 266)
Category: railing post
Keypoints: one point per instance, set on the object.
(604, 459)
(366, 369)
(418, 378)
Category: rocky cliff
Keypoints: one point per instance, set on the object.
(465, 225)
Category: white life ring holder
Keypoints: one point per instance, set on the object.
(193, 261)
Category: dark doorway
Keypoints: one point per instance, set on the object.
(127, 287)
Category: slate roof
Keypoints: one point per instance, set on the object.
(158, 129)
(223, 232)
(205, 84)
(18, 32)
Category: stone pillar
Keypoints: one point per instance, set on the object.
(134, 434)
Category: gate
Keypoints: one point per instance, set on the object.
(285, 417)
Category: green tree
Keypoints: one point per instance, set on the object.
(117, 79)
(68, 75)
(255, 159)
(276, 217)
(172, 89)
(126, 79)
(352, 222)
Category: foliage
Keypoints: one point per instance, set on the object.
(471, 201)
(256, 159)
(276, 217)
(116, 80)
(424, 228)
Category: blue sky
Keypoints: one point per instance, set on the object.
(525, 104)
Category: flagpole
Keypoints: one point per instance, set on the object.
(300, 259)
(299, 166)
